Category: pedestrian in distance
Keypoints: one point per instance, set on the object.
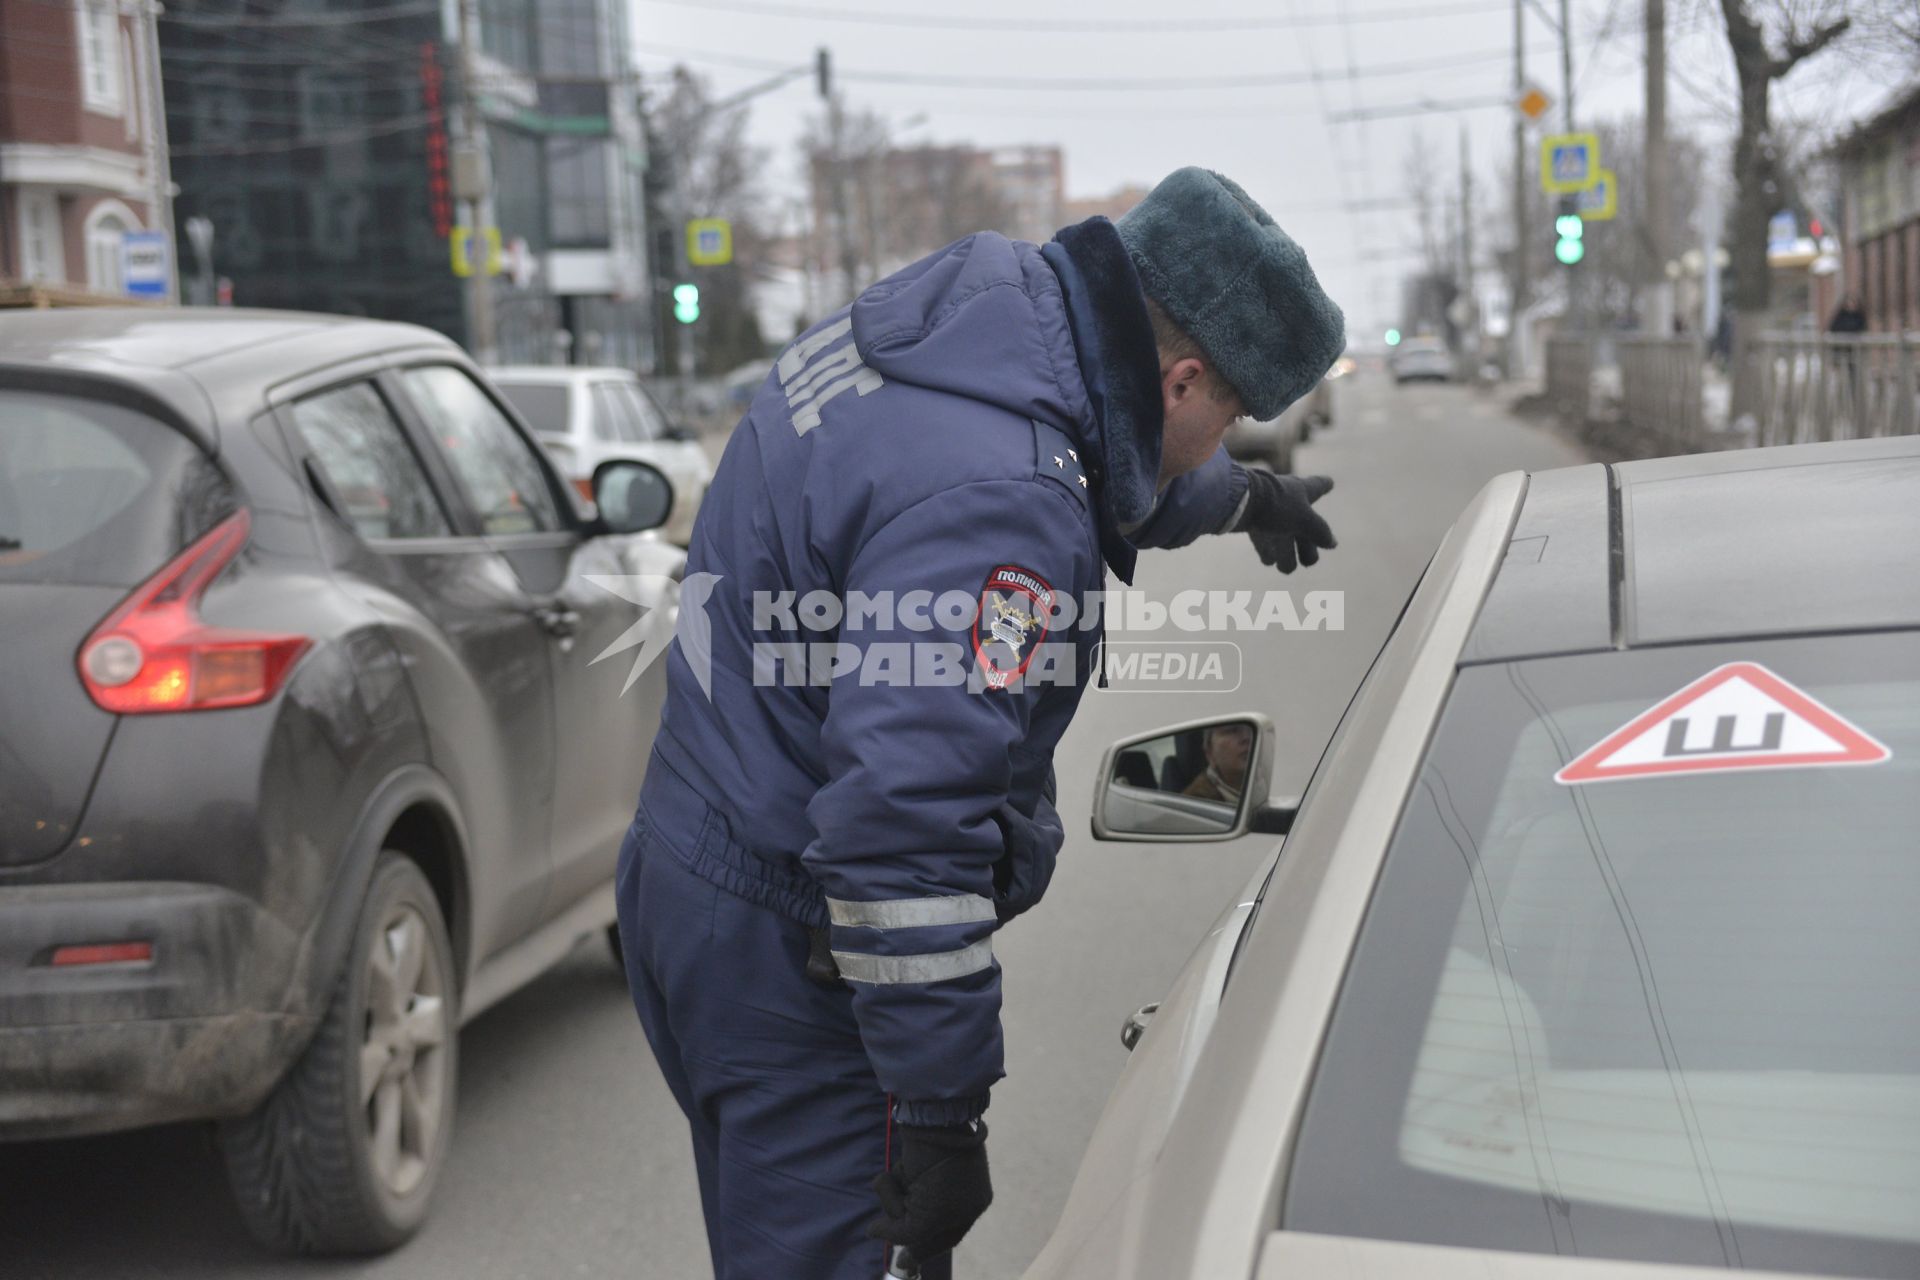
(821, 854)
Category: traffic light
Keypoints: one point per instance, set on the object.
(1393, 337)
(686, 303)
(823, 71)
(1570, 232)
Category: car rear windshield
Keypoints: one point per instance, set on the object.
(96, 494)
(1670, 1012)
(543, 405)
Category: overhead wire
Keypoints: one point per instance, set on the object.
(1026, 25)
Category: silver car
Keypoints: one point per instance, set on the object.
(587, 415)
(1421, 359)
(1593, 941)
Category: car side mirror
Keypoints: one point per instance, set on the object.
(679, 434)
(631, 496)
(1205, 780)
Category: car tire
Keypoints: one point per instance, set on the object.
(343, 1155)
(1280, 458)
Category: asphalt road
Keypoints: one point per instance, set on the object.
(570, 1158)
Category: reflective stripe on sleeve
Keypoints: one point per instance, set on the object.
(911, 913)
(936, 966)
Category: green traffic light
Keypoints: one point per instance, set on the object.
(1570, 251)
(1571, 226)
(686, 303)
(1393, 337)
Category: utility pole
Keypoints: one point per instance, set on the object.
(470, 179)
(1657, 309)
(1470, 330)
(843, 220)
(1566, 62)
(1516, 341)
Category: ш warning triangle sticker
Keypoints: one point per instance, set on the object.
(1740, 716)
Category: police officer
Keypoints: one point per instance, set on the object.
(852, 785)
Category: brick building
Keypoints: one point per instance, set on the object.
(83, 160)
(1880, 216)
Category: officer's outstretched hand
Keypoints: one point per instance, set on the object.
(938, 1190)
(1280, 518)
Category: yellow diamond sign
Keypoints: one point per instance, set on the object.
(1534, 103)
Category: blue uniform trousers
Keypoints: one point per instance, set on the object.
(790, 1126)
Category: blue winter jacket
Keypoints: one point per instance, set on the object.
(985, 423)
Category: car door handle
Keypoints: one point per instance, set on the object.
(558, 620)
(1136, 1024)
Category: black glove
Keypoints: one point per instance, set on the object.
(938, 1189)
(1281, 520)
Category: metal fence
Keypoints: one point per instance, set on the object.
(1826, 387)
(1570, 377)
(1660, 383)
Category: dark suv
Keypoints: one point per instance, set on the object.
(303, 759)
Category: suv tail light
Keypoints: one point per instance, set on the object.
(154, 653)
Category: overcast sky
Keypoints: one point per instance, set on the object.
(1276, 139)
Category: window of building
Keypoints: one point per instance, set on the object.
(505, 33)
(570, 38)
(519, 197)
(577, 195)
(98, 31)
(43, 251)
(107, 227)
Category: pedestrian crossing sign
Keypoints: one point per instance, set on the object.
(709, 242)
(1601, 201)
(1569, 162)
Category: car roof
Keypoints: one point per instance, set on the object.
(1793, 540)
(557, 374)
(196, 365)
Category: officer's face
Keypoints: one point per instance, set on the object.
(1197, 417)
(1227, 750)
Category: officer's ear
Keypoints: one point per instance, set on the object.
(1183, 378)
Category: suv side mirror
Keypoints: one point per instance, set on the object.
(631, 496)
(1205, 780)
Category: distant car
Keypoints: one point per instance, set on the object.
(302, 759)
(1589, 953)
(1273, 441)
(1421, 360)
(586, 415)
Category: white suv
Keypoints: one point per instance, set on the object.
(586, 415)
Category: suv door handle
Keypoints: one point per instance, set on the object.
(1136, 1024)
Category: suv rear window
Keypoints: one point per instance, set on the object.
(1671, 1017)
(543, 405)
(96, 494)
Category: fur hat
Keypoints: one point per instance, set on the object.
(1225, 272)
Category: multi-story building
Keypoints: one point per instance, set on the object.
(904, 202)
(1032, 184)
(335, 150)
(1880, 217)
(1112, 207)
(83, 163)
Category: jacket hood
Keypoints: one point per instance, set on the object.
(983, 318)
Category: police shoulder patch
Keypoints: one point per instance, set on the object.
(1016, 605)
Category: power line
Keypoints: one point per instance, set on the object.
(1102, 26)
(1072, 84)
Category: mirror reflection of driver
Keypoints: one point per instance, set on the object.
(1227, 748)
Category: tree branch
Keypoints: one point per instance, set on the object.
(1800, 50)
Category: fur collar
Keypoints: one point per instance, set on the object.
(1120, 366)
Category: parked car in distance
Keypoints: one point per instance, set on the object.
(305, 763)
(586, 415)
(1587, 953)
(1273, 441)
(1421, 359)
